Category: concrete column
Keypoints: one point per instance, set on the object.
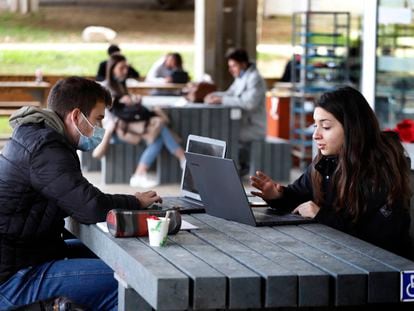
(13, 5)
(34, 5)
(23, 6)
(219, 26)
(369, 46)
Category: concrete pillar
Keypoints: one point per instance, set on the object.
(369, 46)
(219, 26)
(34, 5)
(23, 6)
(13, 5)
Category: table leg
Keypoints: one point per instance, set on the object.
(129, 299)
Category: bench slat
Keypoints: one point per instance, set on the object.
(148, 274)
(206, 281)
(383, 281)
(18, 104)
(350, 282)
(244, 290)
(313, 284)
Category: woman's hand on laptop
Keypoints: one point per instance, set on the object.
(147, 198)
(307, 209)
(269, 189)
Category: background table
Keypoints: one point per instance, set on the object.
(24, 91)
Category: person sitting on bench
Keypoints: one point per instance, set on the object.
(132, 122)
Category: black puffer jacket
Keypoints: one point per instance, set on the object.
(382, 225)
(41, 183)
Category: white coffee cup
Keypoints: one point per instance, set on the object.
(158, 231)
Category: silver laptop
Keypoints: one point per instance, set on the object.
(223, 194)
(189, 201)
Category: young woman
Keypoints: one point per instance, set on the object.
(150, 125)
(359, 181)
(162, 69)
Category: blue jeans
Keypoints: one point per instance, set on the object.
(153, 150)
(85, 281)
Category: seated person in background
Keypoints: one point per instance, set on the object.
(132, 122)
(168, 69)
(287, 74)
(248, 92)
(101, 74)
(359, 181)
(41, 184)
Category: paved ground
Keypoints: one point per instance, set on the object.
(164, 190)
(95, 178)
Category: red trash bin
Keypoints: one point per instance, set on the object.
(277, 115)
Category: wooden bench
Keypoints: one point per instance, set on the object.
(273, 157)
(24, 91)
(7, 108)
(121, 160)
(217, 122)
(89, 163)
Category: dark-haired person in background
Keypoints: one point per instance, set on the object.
(163, 69)
(358, 182)
(41, 183)
(133, 131)
(248, 91)
(101, 74)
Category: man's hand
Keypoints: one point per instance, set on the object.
(212, 99)
(147, 198)
(269, 189)
(307, 209)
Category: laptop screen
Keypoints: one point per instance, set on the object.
(201, 145)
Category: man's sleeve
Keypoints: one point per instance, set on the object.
(152, 75)
(250, 98)
(100, 76)
(55, 173)
(132, 73)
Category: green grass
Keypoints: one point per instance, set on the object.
(81, 62)
(29, 28)
(85, 62)
(5, 129)
(50, 27)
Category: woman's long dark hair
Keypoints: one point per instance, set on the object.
(369, 162)
(118, 88)
(177, 59)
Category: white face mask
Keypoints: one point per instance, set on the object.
(89, 143)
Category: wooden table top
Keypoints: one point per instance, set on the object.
(24, 84)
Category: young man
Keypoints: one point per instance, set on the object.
(112, 50)
(248, 91)
(41, 183)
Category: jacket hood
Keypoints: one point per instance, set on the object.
(30, 114)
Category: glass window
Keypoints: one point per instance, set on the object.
(395, 62)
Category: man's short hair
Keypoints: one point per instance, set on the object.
(238, 55)
(75, 92)
(113, 48)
